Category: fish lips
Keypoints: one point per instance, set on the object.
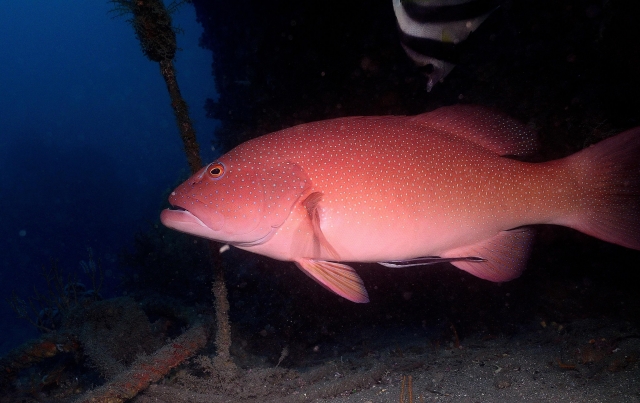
(183, 220)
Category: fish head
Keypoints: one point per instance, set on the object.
(236, 200)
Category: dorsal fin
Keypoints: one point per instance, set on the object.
(484, 126)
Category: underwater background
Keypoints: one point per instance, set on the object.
(88, 145)
(90, 151)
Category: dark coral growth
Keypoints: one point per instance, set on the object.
(100, 329)
(181, 112)
(152, 23)
(149, 369)
(104, 342)
(88, 341)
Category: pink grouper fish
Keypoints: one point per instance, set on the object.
(408, 190)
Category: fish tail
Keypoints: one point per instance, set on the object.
(609, 174)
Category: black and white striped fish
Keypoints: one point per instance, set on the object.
(432, 31)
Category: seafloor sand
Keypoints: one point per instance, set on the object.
(584, 361)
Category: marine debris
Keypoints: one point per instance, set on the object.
(148, 369)
(152, 24)
(111, 343)
(151, 21)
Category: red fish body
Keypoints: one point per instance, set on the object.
(403, 191)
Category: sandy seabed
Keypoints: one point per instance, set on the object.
(583, 361)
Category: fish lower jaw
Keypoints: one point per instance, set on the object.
(183, 221)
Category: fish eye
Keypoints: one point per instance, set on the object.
(216, 170)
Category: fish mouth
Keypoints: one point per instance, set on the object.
(183, 220)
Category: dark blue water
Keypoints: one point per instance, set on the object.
(88, 143)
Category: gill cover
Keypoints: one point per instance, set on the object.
(242, 205)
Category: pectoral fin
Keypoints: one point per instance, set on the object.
(319, 240)
(336, 277)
